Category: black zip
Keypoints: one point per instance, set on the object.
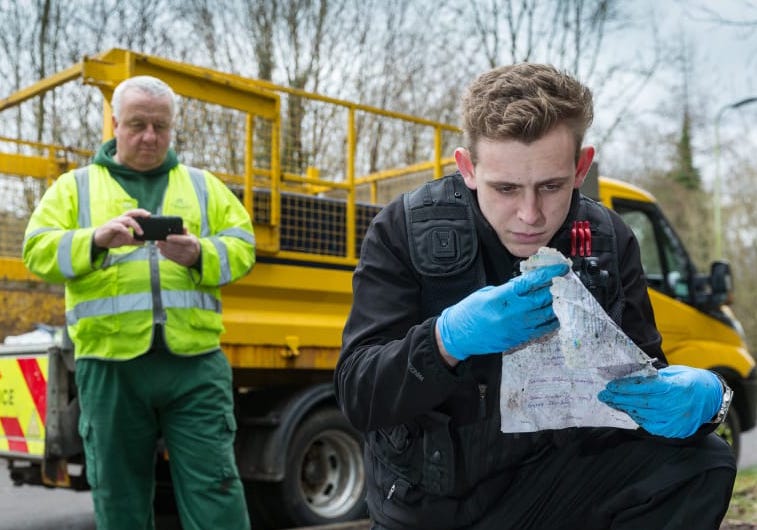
(482, 401)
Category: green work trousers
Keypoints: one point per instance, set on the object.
(127, 405)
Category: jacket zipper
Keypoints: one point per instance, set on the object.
(391, 491)
(482, 401)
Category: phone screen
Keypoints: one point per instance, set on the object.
(158, 227)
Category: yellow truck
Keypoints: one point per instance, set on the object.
(312, 171)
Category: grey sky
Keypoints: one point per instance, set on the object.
(723, 59)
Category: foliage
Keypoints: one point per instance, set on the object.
(24, 306)
(684, 172)
(743, 506)
(684, 208)
(740, 235)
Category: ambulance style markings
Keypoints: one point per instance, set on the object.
(29, 399)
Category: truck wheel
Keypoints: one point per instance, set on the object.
(324, 480)
(730, 431)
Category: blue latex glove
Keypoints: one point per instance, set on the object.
(496, 319)
(674, 404)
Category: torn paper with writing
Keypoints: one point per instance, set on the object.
(553, 383)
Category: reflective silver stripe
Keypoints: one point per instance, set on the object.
(81, 175)
(138, 254)
(108, 306)
(201, 189)
(191, 300)
(141, 302)
(244, 235)
(223, 260)
(65, 255)
(41, 231)
(37, 232)
(158, 312)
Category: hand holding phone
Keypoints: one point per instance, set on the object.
(158, 227)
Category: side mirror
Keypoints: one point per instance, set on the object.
(721, 282)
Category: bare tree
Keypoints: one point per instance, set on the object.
(739, 222)
(14, 38)
(262, 19)
(412, 57)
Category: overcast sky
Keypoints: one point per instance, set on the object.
(723, 71)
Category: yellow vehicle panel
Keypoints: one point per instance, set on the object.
(610, 189)
(696, 339)
(23, 394)
(280, 303)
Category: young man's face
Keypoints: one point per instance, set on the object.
(524, 190)
(143, 130)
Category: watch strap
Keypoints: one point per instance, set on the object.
(725, 404)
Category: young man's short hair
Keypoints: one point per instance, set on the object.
(524, 102)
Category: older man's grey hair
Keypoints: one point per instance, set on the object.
(145, 83)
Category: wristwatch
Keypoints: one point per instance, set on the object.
(725, 404)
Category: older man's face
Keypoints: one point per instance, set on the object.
(143, 130)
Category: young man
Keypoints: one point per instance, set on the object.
(145, 318)
(437, 299)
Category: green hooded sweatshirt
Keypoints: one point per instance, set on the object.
(148, 187)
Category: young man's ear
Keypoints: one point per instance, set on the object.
(584, 163)
(465, 166)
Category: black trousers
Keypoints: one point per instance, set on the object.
(612, 479)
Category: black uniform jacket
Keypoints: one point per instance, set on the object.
(434, 454)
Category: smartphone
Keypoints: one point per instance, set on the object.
(157, 227)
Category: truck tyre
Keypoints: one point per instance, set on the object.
(730, 431)
(324, 480)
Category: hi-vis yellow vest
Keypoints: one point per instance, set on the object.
(114, 302)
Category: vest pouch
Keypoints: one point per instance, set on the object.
(421, 453)
(433, 474)
(443, 243)
(440, 228)
(398, 448)
(413, 466)
(438, 476)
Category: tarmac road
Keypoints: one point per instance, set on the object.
(37, 508)
(748, 457)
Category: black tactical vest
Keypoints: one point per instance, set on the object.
(445, 252)
(432, 472)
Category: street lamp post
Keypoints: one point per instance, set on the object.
(716, 211)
